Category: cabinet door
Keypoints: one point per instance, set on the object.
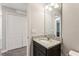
(37, 52)
(54, 51)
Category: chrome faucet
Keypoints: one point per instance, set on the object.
(49, 36)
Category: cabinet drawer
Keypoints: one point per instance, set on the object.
(40, 47)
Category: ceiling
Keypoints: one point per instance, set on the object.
(20, 6)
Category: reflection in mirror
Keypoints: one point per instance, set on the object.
(52, 18)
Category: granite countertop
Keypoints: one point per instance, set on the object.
(47, 43)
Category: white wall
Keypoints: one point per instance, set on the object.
(37, 19)
(70, 27)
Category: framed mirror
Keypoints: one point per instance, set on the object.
(52, 19)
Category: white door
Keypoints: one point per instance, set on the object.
(15, 32)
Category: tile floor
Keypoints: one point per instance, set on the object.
(16, 52)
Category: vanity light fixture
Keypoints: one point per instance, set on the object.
(56, 6)
(48, 8)
(52, 4)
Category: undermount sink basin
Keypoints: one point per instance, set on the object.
(45, 41)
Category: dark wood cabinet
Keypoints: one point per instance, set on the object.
(39, 50)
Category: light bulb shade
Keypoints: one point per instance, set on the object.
(56, 6)
(50, 9)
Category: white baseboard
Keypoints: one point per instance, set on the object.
(3, 51)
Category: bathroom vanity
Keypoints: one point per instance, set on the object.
(51, 28)
(42, 47)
